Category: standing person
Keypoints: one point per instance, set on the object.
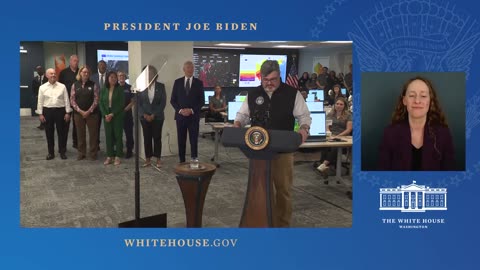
(187, 100)
(321, 81)
(99, 78)
(128, 118)
(302, 82)
(286, 104)
(68, 77)
(53, 107)
(84, 99)
(152, 104)
(348, 80)
(112, 103)
(332, 80)
(36, 82)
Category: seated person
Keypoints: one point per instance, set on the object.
(341, 126)
(218, 103)
(334, 94)
(312, 82)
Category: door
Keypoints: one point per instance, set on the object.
(31, 55)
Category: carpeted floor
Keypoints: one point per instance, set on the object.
(71, 193)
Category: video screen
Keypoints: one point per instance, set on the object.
(315, 95)
(318, 128)
(315, 106)
(233, 108)
(116, 60)
(208, 94)
(216, 68)
(250, 68)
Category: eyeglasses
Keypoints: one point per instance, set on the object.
(272, 80)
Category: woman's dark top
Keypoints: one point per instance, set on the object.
(416, 158)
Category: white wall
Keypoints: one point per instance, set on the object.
(157, 53)
(339, 58)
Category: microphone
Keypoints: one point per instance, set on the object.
(261, 116)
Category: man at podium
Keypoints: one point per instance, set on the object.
(276, 105)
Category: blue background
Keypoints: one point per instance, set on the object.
(452, 35)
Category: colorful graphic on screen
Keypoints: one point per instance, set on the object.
(250, 68)
(216, 68)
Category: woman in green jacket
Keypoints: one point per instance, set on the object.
(111, 106)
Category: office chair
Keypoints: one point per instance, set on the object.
(211, 118)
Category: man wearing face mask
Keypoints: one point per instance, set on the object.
(276, 105)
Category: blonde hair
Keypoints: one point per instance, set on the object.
(79, 77)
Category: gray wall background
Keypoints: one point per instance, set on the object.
(379, 95)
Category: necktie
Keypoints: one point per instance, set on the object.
(101, 81)
(187, 86)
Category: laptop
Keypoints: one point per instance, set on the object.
(315, 95)
(233, 108)
(318, 131)
(315, 106)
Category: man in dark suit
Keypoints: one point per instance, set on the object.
(99, 78)
(187, 100)
(68, 77)
(36, 82)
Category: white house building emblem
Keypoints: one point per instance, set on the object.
(413, 198)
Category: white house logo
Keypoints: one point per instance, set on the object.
(413, 198)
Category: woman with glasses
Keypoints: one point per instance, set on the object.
(84, 100)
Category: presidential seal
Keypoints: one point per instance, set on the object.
(259, 100)
(257, 138)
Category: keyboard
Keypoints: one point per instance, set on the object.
(316, 140)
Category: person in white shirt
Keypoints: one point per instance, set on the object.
(53, 107)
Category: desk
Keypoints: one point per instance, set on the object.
(339, 145)
(217, 128)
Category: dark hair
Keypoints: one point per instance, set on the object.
(435, 115)
(268, 67)
(107, 83)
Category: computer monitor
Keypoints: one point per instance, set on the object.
(233, 108)
(315, 106)
(315, 95)
(240, 98)
(318, 126)
(208, 94)
(344, 91)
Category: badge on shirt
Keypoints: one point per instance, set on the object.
(259, 100)
(90, 88)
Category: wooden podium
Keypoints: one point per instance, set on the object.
(257, 209)
(194, 186)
